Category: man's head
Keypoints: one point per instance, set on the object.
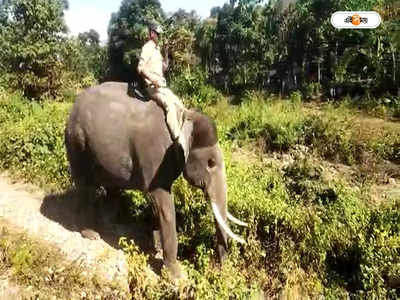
(154, 32)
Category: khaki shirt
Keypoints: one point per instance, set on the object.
(151, 63)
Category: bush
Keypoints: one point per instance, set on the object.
(332, 140)
(203, 282)
(193, 87)
(32, 140)
(312, 90)
(304, 183)
(333, 134)
(272, 122)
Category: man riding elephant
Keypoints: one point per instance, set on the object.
(152, 67)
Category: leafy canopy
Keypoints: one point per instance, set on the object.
(32, 39)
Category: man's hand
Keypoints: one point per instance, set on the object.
(160, 83)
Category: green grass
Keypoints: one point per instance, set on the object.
(309, 236)
(30, 263)
(334, 133)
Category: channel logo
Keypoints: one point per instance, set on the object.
(356, 19)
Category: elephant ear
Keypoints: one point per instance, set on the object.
(186, 137)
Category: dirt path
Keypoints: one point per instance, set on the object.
(51, 219)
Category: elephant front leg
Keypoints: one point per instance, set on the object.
(164, 212)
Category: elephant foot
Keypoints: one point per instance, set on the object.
(90, 234)
(158, 251)
(176, 272)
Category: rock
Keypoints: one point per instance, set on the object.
(90, 234)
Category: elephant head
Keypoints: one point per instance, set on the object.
(205, 169)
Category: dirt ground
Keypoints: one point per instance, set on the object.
(53, 219)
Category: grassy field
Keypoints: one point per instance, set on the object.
(317, 182)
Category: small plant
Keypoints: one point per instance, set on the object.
(312, 91)
(295, 97)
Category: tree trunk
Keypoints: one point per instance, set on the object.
(394, 63)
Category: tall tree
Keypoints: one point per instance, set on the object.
(179, 40)
(90, 37)
(127, 33)
(238, 41)
(95, 54)
(205, 43)
(32, 36)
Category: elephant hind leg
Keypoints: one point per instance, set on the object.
(88, 212)
(115, 205)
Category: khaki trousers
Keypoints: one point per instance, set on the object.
(173, 107)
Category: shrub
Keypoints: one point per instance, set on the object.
(193, 87)
(333, 134)
(295, 97)
(304, 183)
(204, 282)
(332, 140)
(32, 140)
(312, 90)
(42, 268)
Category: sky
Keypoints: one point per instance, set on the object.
(84, 15)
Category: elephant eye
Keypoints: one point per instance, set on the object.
(211, 163)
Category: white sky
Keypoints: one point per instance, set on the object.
(84, 15)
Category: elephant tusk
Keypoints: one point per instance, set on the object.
(234, 220)
(225, 227)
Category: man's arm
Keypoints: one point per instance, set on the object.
(166, 59)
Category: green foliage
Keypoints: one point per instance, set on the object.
(304, 183)
(205, 44)
(280, 126)
(38, 59)
(239, 41)
(179, 41)
(128, 32)
(312, 90)
(31, 36)
(192, 87)
(274, 124)
(32, 140)
(250, 44)
(203, 282)
(79, 65)
(327, 232)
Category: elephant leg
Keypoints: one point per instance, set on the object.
(157, 247)
(114, 204)
(88, 212)
(164, 209)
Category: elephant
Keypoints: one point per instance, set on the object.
(117, 141)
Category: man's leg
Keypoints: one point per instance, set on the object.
(174, 110)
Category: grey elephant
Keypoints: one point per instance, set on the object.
(119, 142)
